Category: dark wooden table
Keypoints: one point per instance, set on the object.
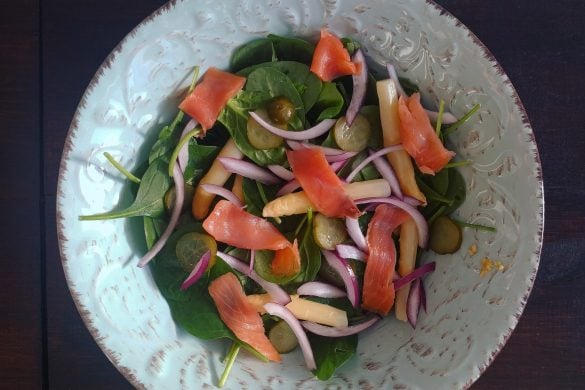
(49, 52)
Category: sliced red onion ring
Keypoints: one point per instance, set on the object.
(277, 294)
(340, 157)
(337, 165)
(419, 220)
(413, 303)
(177, 207)
(223, 192)
(412, 201)
(296, 145)
(394, 76)
(289, 187)
(197, 272)
(331, 154)
(284, 313)
(329, 331)
(388, 174)
(313, 132)
(320, 289)
(360, 82)
(447, 119)
(183, 157)
(355, 233)
(350, 252)
(249, 170)
(417, 273)
(252, 259)
(370, 158)
(281, 172)
(346, 273)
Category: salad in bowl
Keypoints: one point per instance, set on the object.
(303, 203)
(307, 211)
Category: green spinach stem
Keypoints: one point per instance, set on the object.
(456, 164)
(475, 226)
(452, 128)
(121, 169)
(193, 133)
(194, 80)
(230, 359)
(440, 117)
(265, 200)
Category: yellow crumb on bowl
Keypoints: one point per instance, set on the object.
(488, 265)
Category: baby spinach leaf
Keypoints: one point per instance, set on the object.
(439, 181)
(292, 49)
(369, 172)
(329, 104)
(192, 309)
(251, 100)
(371, 98)
(408, 86)
(259, 50)
(431, 193)
(262, 82)
(167, 139)
(276, 83)
(153, 229)
(310, 256)
(200, 159)
(307, 84)
(350, 44)
(457, 190)
(149, 199)
(234, 118)
(372, 114)
(331, 352)
(252, 197)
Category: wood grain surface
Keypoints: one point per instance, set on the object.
(50, 50)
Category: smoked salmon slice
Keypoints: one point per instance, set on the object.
(210, 96)
(321, 185)
(419, 138)
(239, 315)
(378, 290)
(231, 225)
(330, 59)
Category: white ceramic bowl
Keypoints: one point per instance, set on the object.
(469, 317)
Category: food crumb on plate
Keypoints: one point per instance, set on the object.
(488, 265)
